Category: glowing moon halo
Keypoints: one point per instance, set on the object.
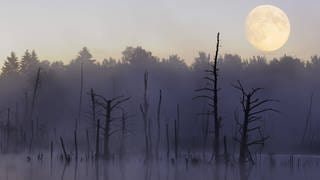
(267, 28)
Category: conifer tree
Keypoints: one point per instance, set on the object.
(11, 66)
(29, 62)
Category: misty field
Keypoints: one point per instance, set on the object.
(269, 167)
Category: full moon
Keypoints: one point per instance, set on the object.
(267, 28)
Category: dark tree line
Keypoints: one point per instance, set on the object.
(53, 97)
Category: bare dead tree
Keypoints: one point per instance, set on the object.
(144, 108)
(93, 106)
(124, 132)
(26, 106)
(97, 153)
(168, 141)
(95, 124)
(205, 130)
(88, 144)
(158, 125)
(235, 133)
(211, 94)
(75, 145)
(252, 108)
(176, 132)
(51, 151)
(307, 126)
(80, 97)
(109, 105)
(16, 115)
(33, 102)
(34, 95)
(8, 129)
(66, 155)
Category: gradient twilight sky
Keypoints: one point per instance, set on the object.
(58, 29)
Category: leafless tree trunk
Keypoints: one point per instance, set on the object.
(168, 141)
(75, 145)
(33, 102)
(176, 132)
(93, 106)
(217, 123)
(252, 109)
(158, 125)
(109, 105)
(97, 139)
(124, 132)
(107, 130)
(205, 131)
(17, 114)
(32, 136)
(34, 95)
(88, 143)
(26, 107)
(8, 129)
(80, 97)
(66, 156)
(51, 151)
(144, 108)
(307, 126)
(213, 89)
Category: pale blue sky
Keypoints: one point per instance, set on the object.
(58, 29)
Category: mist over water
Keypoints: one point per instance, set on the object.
(47, 107)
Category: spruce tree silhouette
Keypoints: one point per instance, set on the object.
(29, 63)
(11, 66)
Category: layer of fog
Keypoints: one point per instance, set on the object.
(289, 80)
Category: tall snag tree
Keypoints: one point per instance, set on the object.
(35, 91)
(84, 59)
(124, 132)
(109, 105)
(307, 127)
(250, 129)
(144, 108)
(95, 123)
(158, 125)
(210, 92)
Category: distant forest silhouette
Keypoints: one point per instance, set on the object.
(292, 81)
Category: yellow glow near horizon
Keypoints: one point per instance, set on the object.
(57, 30)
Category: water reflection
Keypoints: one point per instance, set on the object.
(16, 167)
(244, 171)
